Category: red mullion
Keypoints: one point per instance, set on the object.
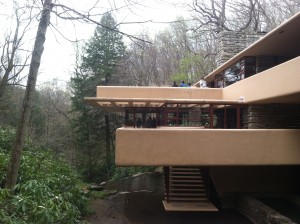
(211, 116)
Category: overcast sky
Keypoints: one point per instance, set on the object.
(59, 57)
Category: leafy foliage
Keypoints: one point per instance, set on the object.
(91, 126)
(104, 50)
(179, 77)
(10, 107)
(7, 136)
(47, 190)
(99, 194)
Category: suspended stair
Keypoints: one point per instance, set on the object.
(187, 189)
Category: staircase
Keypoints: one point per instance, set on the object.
(187, 189)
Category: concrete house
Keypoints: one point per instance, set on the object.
(241, 134)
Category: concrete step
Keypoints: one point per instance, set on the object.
(189, 185)
(184, 169)
(188, 189)
(187, 194)
(185, 172)
(185, 181)
(188, 199)
(186, 176)
(189, 206)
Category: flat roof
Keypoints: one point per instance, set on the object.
(281, 41)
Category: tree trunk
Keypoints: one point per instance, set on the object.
(107, 135)
(3, 82)
(14, 165)
(107, 141)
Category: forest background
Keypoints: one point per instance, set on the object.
(72, 141)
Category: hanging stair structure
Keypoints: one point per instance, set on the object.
(187, 189)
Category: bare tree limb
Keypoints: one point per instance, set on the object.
(14, 165)
(83, 17)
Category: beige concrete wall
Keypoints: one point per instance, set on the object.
(279, 84)
(207, 147)
(158, 92)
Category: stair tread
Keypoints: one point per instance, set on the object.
(189, 206)
(187, 194)
(186, 181)
(186, 177)
(184, 168)
(184, 172)
(187, 199)
(187, 189)
(185, 185)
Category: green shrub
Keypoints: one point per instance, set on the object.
(37, 202)
(99, 194)
(47, 191)
(3, 166)
(7, 137)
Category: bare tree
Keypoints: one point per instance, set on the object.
(57, 133)
(275, 12)
(176, 53)
(142, 63)
(13, 169)
(226, 15)
(11, 63)
(242, 15)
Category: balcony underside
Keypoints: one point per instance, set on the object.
(207, 147)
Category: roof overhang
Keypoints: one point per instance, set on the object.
(117, 98)
(279, 84)
(281, 41)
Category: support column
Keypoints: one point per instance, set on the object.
(238, 116)
(211, 116)
(134, 118)
(166, 175)
(177, 115)
(225, 118)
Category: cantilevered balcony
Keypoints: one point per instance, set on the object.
(180, 146)
(199, 146)
(279, 84)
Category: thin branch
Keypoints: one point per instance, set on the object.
(15, 84)
(63, 36)
(87, 18)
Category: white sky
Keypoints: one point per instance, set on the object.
(59, 57)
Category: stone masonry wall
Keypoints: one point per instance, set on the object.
(271, 116)
(231, 42)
